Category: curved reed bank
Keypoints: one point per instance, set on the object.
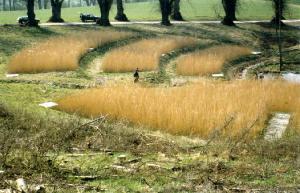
(197, 109)
(210, 60)
(60, 53)
(144, 54)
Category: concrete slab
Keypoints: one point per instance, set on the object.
(11, 75)
(255, 53)
(277, 126)
(48, 104)
(220, 75)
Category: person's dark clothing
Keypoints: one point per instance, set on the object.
(136, 76)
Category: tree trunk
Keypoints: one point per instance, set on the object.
(56, 11)
(69, 3)
(46, 4)
(176, 15)
(40, 4)
(279, 6)
(9, 3)
(4, 5)
(121, 16)
(88, 2)
(165, 8)
(14, 5)
(30, 13)
(93, 2)
(105, 6)
(229, 8)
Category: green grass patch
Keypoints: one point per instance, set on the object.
(191, 10)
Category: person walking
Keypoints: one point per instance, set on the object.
(136, 75)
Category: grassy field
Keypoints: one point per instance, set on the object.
(297, 2)
(150, 142)
(191, 10)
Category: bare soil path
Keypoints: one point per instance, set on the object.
(95, 67)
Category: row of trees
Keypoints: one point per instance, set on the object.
(230, 7)
(12, 5)
(172, 8)
(169, 9)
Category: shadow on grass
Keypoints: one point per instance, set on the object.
(267, 35)
(14, 38)
(10, 46)
(205, 33)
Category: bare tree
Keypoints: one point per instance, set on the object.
(279, 8)
(88, 3)
(40, 4)
(10, 5)
(4, 5)
(46, 4)
(32, 22)
(165, 8)
(105, 6)
(14, 5)
(230, 7)
(121, 16)
(56, 11)
(176, 14)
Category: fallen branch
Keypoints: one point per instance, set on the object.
(217, 131)
(243, 135)
(102, 119)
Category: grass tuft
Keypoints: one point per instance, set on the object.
(191, 110)
(210, 60)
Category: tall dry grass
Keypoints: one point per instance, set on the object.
(144, 54)
(191, 110)
(210, 60)
(60, 53)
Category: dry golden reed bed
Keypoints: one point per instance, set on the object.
(60, 53)
(191, 110)
(210, 60)
(144, 54)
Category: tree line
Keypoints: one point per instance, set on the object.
(170, 9)
(13, 5)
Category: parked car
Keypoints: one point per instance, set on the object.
(84, 17)
(23, 20)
